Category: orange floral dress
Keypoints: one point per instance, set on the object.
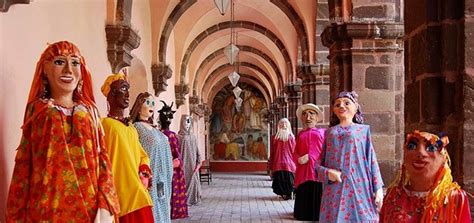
(62, 171)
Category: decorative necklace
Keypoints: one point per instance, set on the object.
(121, 119)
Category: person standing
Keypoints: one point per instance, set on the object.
(62, 169)
(281, 160)
(130, 163)
(307, 155)
(158, 149)
(179, 206)
(349, 170)
(191, 160)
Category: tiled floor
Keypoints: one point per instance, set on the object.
(240, 198)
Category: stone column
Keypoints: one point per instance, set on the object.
(293, 91)
(273, 114)
(315, 88)
(282, 107)
(366, 56)
(439, 78)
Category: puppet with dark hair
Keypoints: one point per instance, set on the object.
(179, 207)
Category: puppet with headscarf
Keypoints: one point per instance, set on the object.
(191, 159)
(62, 170)
(349, 170)
(424, 190)
(130, 162)
(179, 206)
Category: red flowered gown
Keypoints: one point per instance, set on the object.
(179, 206)
(60, 175)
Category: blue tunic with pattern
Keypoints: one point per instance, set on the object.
(349, 150)
(156, 145)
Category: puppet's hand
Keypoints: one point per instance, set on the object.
(145, 177)
(303, 159)
(176, 163)
(196, 169)
(103, 216)
(334, 175)
(379, 199)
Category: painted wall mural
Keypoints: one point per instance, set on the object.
(239, 134)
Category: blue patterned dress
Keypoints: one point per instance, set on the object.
(349, 150)
(156, 145)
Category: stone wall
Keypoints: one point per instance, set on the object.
(366, 55)
(439, 61)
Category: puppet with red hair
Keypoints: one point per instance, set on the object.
(62, 171)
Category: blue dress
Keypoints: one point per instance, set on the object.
(156, 145)
(349, 150)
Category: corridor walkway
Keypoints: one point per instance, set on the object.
(240, 197)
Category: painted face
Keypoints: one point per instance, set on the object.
(283, 125)
(120, 93)
(422, 157)
(63, 74)
(309, 118)
(147, 109)
(344, 108)
(187, 123)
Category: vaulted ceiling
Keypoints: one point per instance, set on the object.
(273, 36)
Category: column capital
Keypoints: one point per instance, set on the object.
(5, 4)
(309, 72)
(181, 90)
(160, 73)
(293, 89)
(121, 40)
(337, 32)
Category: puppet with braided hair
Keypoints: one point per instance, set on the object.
(424, 191)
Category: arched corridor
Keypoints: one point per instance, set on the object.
(411, 62)
(240, 197)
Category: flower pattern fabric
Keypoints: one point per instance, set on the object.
(62, 171)
(349, 150)
(179, 206)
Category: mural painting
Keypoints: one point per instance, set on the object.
(239, 133)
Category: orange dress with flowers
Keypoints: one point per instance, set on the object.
(62, 171)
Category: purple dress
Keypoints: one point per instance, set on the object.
(179, 207)
(349, 150)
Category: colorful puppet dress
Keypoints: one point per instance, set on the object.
(62, 171)
(282, 166)
(402, 205)
(128, 158)
(179, 206)
(349, 150)
(308, 190)
(158, 149)
(191, 158)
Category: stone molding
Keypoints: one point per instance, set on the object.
(311, 71)
(358, 30)
(181, 90)
(160, 73)
(5, 4)
(121, 40)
